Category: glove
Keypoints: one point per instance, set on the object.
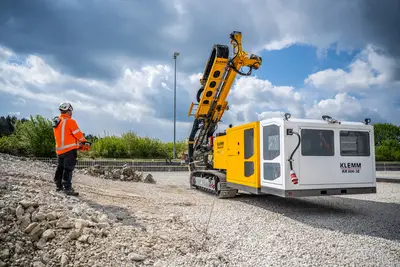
(85, 146)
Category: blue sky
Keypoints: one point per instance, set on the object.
(290, 66)
(114, 62)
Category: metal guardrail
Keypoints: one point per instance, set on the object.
(158, 165)
(142, 165)
(388, 166)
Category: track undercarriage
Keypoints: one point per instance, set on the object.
(213, 182)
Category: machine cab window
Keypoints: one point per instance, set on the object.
(354, 143)
(317, 142)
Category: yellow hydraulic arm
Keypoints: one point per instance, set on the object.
(213, 102)
(216, 82)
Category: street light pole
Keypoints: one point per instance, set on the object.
(175, 56)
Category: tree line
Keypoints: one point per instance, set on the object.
(34, 137)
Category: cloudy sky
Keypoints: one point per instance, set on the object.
(113, 60)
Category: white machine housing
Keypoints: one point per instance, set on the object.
(345, 166)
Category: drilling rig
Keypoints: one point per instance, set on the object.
(257, 157)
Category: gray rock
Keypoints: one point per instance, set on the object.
(26, 204)
(38, 217)
(149, 179)
(30, 227)
(25, 221)
(65, 224)
(103, 225)
(160, 264)
(103, 218)
(80, 224)
(30, 209)
(74, 234)
(76, 210)
(48, 234)
(38, 264)
(37, 231)
(83, 238)
(41, 244)
(136, 257)
(19, 211)
(64, 260)
(91, 239)
(4, 254)
(46, 258)
(51, 216)
(59, 252)
(18, 248)
(116, 174)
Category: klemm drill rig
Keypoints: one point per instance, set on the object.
(279, 156)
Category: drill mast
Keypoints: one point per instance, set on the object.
(218, 76)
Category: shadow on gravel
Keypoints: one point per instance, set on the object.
(350, 216)
(117, 214)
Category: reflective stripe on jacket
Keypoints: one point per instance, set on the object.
(67, 134)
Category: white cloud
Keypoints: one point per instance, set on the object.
(142, 96)
(368, 70)
(342, 107)
(280, 44)
(251, 97)
(270, 114)
(14, 113)
(367, 89)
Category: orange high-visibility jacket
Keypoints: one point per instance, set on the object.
(67, 134)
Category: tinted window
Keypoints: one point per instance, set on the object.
(271, 142)
(248, 143)
(248, 168)
(315, 142)
(272, 171)
(353, 143)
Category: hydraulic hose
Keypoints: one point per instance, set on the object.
(293, 176)
(294, 151)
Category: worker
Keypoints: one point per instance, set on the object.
(68, 136)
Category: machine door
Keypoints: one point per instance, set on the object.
(271, 154)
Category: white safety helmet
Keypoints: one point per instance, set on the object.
(65, 107)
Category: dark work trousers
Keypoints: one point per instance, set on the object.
(65, 166)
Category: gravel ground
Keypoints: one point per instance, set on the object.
(168, 224)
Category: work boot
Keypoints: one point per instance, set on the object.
(58, 189)
(71, 192)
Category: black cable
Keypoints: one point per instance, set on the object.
(232, 66)
(241, 73)
(291, 156)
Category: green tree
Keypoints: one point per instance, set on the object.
(389, 150)
(36, 136)
(387, 142)
(386, 131)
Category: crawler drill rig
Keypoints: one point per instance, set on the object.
(218, 76)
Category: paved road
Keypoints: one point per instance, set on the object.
(388, 176)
